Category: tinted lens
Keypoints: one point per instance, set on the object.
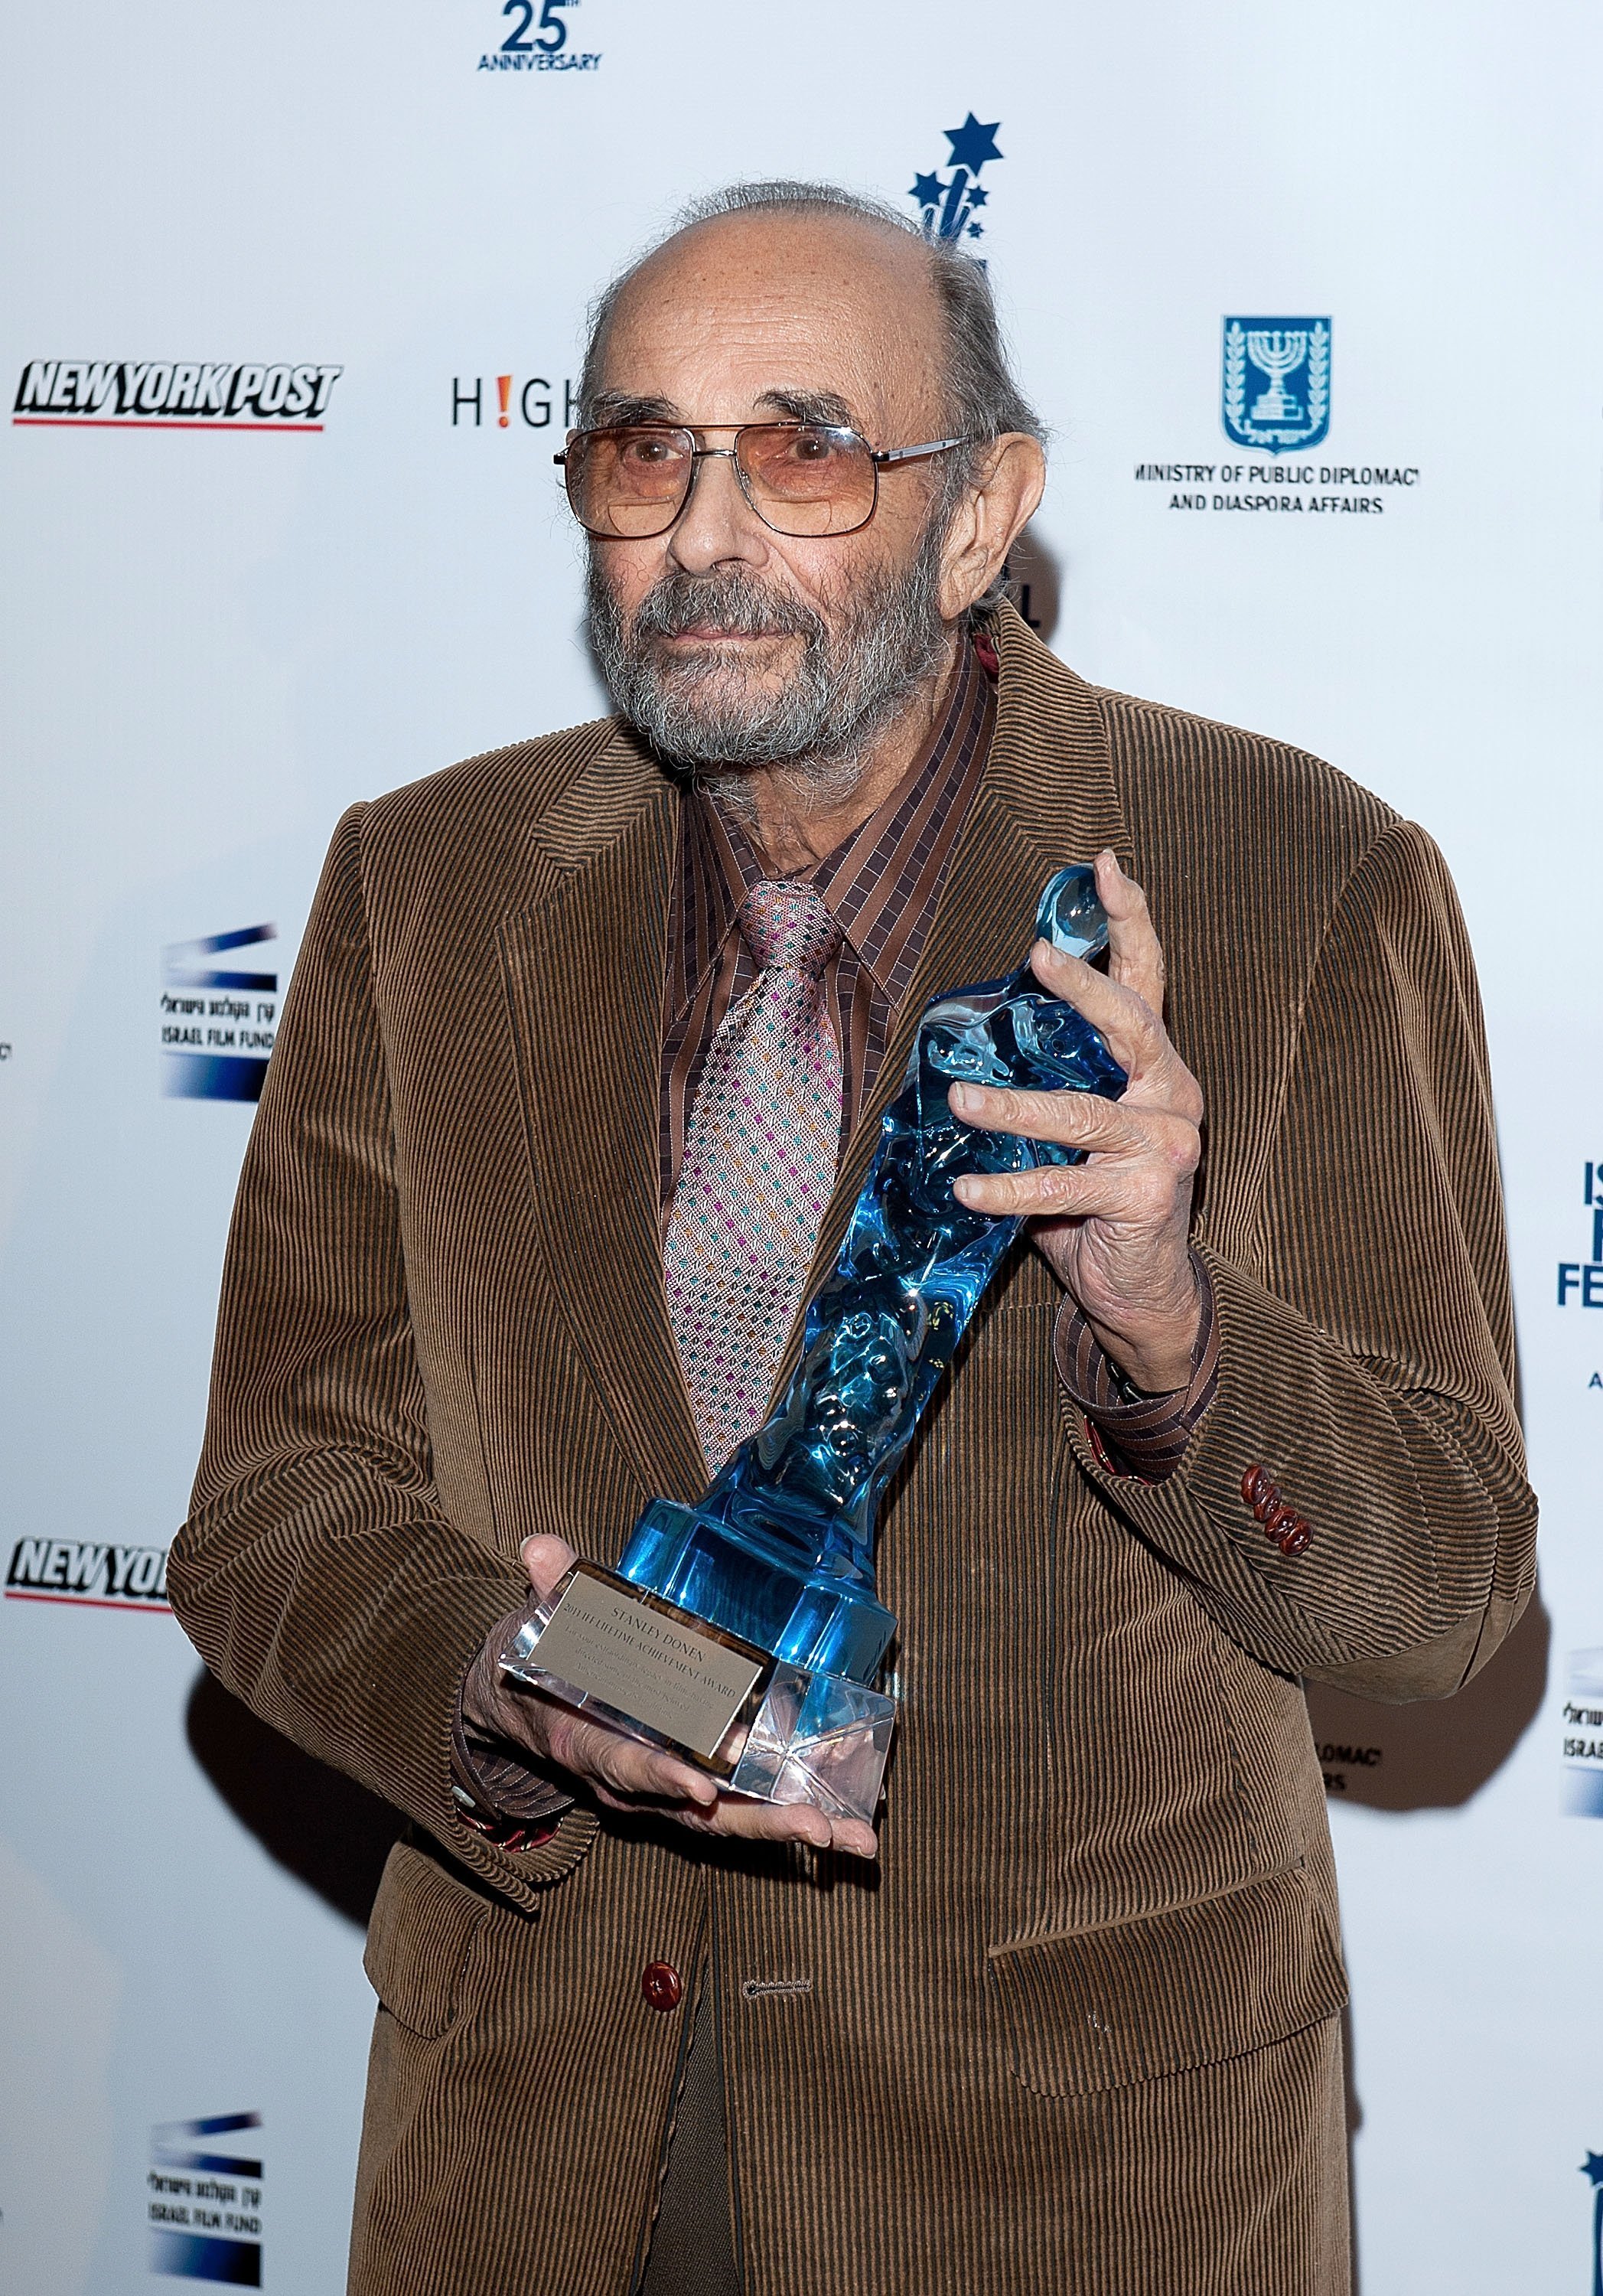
(805, 479)
(629, 482)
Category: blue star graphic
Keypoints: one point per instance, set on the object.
(1593, 2167)
(973, 144)
(925, 190)
(976, 195)
(977, 231)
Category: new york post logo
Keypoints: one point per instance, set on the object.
(173, 395)
(87, 1571)
(947, 203)
(1277, 382)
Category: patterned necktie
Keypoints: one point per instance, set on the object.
(760, 1164)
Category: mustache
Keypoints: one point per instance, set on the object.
(731, 601)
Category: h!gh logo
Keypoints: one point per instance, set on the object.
(1277, 382)
(946, 203)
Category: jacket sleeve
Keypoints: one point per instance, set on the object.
(318, 1575)
(1366, 1344)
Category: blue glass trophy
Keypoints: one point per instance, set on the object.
(744, 1632)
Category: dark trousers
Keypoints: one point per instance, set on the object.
(692, 2243)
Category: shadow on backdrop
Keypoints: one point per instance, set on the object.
(1353, 2110)
(1436, 1754)
(1432, 1755)
(328, 1832)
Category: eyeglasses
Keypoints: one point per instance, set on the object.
(630, 480)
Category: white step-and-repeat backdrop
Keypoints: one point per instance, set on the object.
(294, 303)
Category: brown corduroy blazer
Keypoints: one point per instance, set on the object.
(1078, 2031)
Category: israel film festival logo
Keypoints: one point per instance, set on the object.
(174, 395)
(203, 2204)
(1277, 383)
(1581, 1281)
(539, 41)
(217, 1021)
(89, 1572)
(947, 204)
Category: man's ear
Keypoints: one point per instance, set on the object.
(1000, 500)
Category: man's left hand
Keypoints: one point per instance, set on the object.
(1115, 1229)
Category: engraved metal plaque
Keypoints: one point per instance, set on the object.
(645, 1659)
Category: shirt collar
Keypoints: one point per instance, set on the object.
(873, 882)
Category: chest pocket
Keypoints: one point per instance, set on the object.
(1106, 2008)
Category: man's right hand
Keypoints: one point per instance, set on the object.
(622, 1772)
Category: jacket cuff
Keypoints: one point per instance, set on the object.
(498, 1791)
(1144, 1436)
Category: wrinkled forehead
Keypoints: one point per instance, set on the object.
(730, 314)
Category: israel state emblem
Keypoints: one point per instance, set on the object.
(1277, 382)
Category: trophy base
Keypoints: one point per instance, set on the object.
(760, 1726)
(819, 1618)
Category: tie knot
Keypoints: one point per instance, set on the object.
(788, 928)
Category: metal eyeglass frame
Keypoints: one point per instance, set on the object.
(879, 458)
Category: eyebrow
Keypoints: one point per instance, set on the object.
(824, 406)
(610, 406)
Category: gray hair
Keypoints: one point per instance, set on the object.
(982, 399)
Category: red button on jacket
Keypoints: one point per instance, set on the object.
(662, 1985)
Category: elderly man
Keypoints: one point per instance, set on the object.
(1238, 1412)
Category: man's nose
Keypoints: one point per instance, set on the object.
(717, 525)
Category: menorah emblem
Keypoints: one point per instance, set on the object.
(1277, 354)
(1278, 417)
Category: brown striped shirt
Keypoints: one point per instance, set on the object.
(880, 887)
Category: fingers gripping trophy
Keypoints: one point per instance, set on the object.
(744, 1633)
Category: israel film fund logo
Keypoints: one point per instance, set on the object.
(947, 204)
(1277, 383)
(203, 2205)
(1583, 1792)
(217, 1022)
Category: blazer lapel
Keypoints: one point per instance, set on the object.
(1047, 798)
(583, 972)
